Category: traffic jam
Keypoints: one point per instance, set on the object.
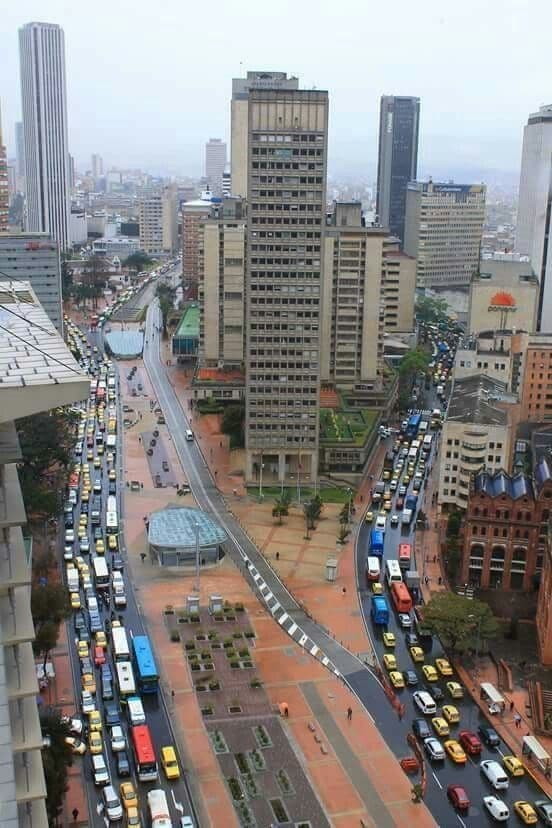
(117, 668)
(467, 759)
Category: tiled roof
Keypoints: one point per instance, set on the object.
(495, 485)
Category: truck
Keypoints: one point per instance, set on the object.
(406, 518)
(389, 461)
(159, 809)
(376, 543)
(379, 610)
(379, 489)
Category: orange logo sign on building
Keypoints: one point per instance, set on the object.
(502, 301)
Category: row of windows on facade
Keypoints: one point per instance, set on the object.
(287, 179)
(498, 366)
(490, 444)
(282, 207)
(497, 458)
(284, 248)
(304, 275)
(286, 153)
(288, 221)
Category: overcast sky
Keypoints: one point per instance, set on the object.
(149, 83)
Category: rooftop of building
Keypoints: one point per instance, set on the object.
(219, 375)
(184, 527)
(505, 272)
(37, 370)
(502, 483)
(125, 344)
(189, 322)
(445, 187)
(473, 400)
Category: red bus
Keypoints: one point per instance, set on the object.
(405, 555)
(144, 754)
(401, 596)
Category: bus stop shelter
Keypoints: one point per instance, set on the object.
(533, 749)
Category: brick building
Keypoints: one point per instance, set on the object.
(506, 533)
(536, 392)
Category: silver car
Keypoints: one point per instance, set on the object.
(112, 804)
(434, 749)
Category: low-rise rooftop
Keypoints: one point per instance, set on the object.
(474, 400)
(182, 527)
(189, 323)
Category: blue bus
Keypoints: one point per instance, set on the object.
(379, 610)
(376, 543)
(413, 425)
(147, 677)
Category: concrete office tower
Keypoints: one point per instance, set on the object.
(222, 285)
(44, 105)
(397, 159)
(398, 287)
(226, 182)
(34, 257)
(215, 162)
(193, 213)
(535, 206)
(351, 319)
(239, 116)
(39, 374)
(97, 166)
(504, 295)
(444, 224)
(20, 150)
(286, 201)
(150, 216)
(169, 217)
(4, 184)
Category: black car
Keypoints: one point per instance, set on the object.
(79, 621)
(411, 639)
(111, 713)
(123, 764)
(112, 487)
(84, 635)
(421, 729)
(69, 521)
(107, 689)
(435, 691)
(98, 533)
(489, 735)
(410, 678)
(117, 563)
(84, 507)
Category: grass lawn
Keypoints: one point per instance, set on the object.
(347, 426)
(329, 494)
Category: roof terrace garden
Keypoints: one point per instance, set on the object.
(347, 425)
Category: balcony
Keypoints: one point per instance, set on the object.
(14, 560)
(12, 511)
(16, 623)
(10, 450)
(20, 670)
(29, 778)
(25, 725)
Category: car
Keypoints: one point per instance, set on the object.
(387, 505)
(489, 735)
(99, 656)
(497, 808)
(470, 742)
(455, 751)
(112, 475)
(411, 639)
(95, 742)
(86, 666)
(186, 822)
(95, 720)
(455, 689)
(410, 678)
(122, 764)
(494, 774)
(112, 488)
(389, 639)
(75, 601)
(117, 564)
(118, 741)
(111, 712)
(421, 729)
(393, 485)
(434, 690)
(377, 588)
(129, 797)
(440, 726)
(443, 665)
(100, 547)
(90, 454)
(84, 545)
(112, 543)
(68, 552)
(396, 679)
(87, 702)
(394, 520)
(77, 745)
(133, 818)
(101, 639)
(169, 762)
(417, 654)
(69, 536)
(434, 749)
(109, 457)
(451, 714)
(424, 702)
(390, 661)
(405, 621)
(381, 522)
(82, 533)
(430, 672)
(513, 765)
(98, 533)
(543, 807)
(525, 812)
(88, 683)
(112, 804)
(458, 797)
(399, 503)
(82, 649)
(74, 724)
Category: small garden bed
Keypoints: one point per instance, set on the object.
(218, 741)
(245, 815)
(279, 811)
(242, 763)
(235, 789)
(257, 760)
(261, 736)
(284, 783)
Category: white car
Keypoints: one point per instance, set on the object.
(87, 702)
(68, 552)
(69, 536)
(113, 807)
(405, 620)
(118, 741)
(495, 774)
(394, 520)
(84, 545)
(497, 808)
(381, 522)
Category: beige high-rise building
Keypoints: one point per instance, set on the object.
(222, 285)
(193, 214)
(287, 140)
(215, 162)
(150, 216)
(398, 288)
(444, 224)
(351, 320)
(169, 217)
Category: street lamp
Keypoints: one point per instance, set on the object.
(477, 640)
(261, 465)
(196, 585)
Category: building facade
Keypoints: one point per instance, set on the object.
(215, 162)
(444, 223)
(544, 605)
(535, 206)
(150, 217)
(44, 107)
(504, 294)
(97, 166)
(286, 198)
(506, 529)
(38, 374)
(398, 288)
(397, 159)
(498, 355)
(193, 214)
(34, 257)
(169, 217)
(4, 184)
(351, 318)
(20, 154)
(536, 393)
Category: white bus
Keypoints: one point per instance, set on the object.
(125, 678)
(427, 443)
(121, 650)
(101, 572)
(111, 443)
(392, 571)
(111, 503)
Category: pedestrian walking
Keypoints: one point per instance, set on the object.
(277, 556)
(75, 814)
(221, 443)
(344, 590)
(517, 720)
(435, 559)
(349, 713)
(426, 580)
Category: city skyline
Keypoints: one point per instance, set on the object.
(464, 130)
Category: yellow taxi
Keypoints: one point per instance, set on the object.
(386, 474)
(100, 547)
(377, 588)
(90, 456)
(95, 720)
(112, 474)
(455, 751)
(406, 479)
(82, 533)
(169, 762)
(455, 689)
(525, 812)
(128, 795)
(417, 654)
(443, 665)
(112, 542)
(430, 672)
(451, 714)
(389, 639)
(133, 818)
(440, 726)
(82, 649)
(97, 463)
(88, 683)
(83, 520)
(390, 661)
(100, 450)
(95, 742)
(75, 601)
(101, 639)
(387, 495)
(513, 765)
(369, 516)
(85, 496)
(387, 505)
(396, 679)
(109, 457)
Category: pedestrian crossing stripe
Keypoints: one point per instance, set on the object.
(282, 620)
(314, 650)
(275, 608)
(293, 627)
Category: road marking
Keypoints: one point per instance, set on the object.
(178, 805)
(436, 779)
(460, 820)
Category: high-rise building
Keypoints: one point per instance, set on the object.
(444, 224)
(287, 140)
(34, 258)
(4, 184)
(39, 373)
(215, 162)
(398, 287)
(226, 182)
(169, 217)
(535, 206)
(20, 150)
(150, 216)
(97, 166)
(44, 105)
(239, 115)
(397, 158)
(193, 213)
(503, 294)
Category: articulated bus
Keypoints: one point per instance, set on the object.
(405, 556)
(401, 596)
(146, 672)
(125, 678)
(144, 754)
(121, 651)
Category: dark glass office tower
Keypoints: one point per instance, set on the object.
(397, 158)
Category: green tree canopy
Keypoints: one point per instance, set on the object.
(431, 311)
(414, 361)
(233, 422)
(49, 603)
(137, 261)
(458, 621)
(56, 758)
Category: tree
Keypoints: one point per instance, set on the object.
(281, 506)
(414, 362)
(431, 311)
(49, 603)
(453, 524)
(56, 758)
(137, 261)
(311, 512)
(458, 620)
(66, 276)
(94, 277)
(45, 640)
(166, 295)
(233, 422)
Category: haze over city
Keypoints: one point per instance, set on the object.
(148, 85)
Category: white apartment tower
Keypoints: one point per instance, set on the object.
(535, 206)
(215, 162)
(44, 106)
